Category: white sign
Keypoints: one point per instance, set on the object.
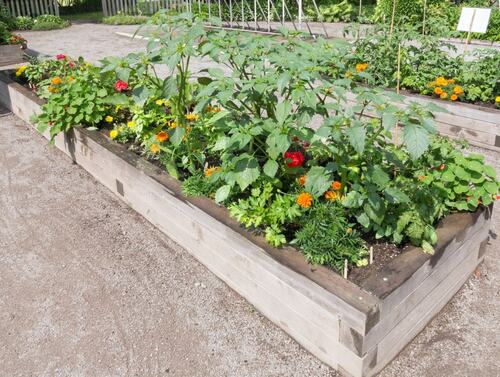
(474, 20)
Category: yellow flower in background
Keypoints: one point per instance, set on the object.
(21, 70)
(56, 80)
(159, 102)
(154, 148)
(349, 230)
(453, 97)
(172, 125)
(302, 180)
(443, 95)
(108, 118)
(497, 99)
(458, 89)
(131, 124)
(441, 81)
(162, 136)
(438, 91)
(211, 170)
(336, 185)
(331, 196)
(113, 134)
(192, 117)
(360, 67)
(304, 200)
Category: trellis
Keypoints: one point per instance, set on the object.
(31, 8)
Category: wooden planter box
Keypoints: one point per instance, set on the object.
(479, 125)
(356, 329)
(11, 54)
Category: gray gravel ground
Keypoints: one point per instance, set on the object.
(90, 288)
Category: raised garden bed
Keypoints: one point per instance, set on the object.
(355, 328)
(11, 54)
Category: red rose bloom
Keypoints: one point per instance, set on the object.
(60, 56)
(121, 85)
(294, 159)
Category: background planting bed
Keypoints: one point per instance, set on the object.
(356, 329)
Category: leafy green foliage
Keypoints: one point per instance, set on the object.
(326, 237)
(125, 19)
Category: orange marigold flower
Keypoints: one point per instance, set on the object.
(336, 185)
(56, 80)
(304, 200)
(438, 90)
(453, 97)
(441, 81)
(443, 95)
(331, 195)
(421, 178)
(162, 136)
(360, 67)
(302, 180)
(172, 125)
(211, 170)
(192, 117)
(458, 89)
(154, 148)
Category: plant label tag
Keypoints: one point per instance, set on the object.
(474, 20)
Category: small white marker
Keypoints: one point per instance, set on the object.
(345, 268)
(371, 254)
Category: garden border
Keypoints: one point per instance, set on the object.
(355, 329)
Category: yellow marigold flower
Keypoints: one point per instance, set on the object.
(21, 70)
(212, 109)
(211, 170)
(451, 81)
(159, 102)
(56, 80)
(304, 200)
(453, 97)
(443, 95)
(51, 89)
(154, 148)
(108, 118)
(458, 89)
(336, 185)
(348, 75)
(331, 195)
(192, 117)
(131, 124)
(362, 262)
(349, 230)
(71, 79)
(162, 136)
(360, 67)
(497, 99)
(302, 180)
(438, 91)
(172, 125)
(113, 134)
(441, 81)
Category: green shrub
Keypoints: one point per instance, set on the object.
(49, 22)
(125, 19)
(24, 23)
(6, 18)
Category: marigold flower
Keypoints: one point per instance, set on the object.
(302, 180)
(56, 80)
(331, 195)
(131, 124)
(360, 67)
(113, 134)
(172, 125)
(21, 70)
(443, 95)
(438, 90)
(212, 109)
(71, 79)
(154, 148)
(348, 75)
(294, 159)
(51, 89)
(211, 170)
(108, 118)
(441, 81)
(442, 167)
(159, 102)
(304, 200)
(421, 178)
(497, 99)
(349, 230)
(192, 117)
(162, 136)
(121, 85)
(336, 185)
(60, 56)
(458, 89)
(453, 97)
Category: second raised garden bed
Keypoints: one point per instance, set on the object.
(355, 328)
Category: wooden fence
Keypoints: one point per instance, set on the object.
(31, 8)
(145, 7)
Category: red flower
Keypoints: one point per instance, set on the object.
(121, 85)
(294, 159)
(498, 197)
(442, 167)
(71, 64)
(60, 56)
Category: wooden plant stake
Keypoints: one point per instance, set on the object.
(392, 18)
(345, 268)
(398, 73)
(467, 41)
(423, 21)
(360, 6)
(371, 254)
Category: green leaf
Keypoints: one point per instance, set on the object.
(317, 181)
(491, 187)
(394, 195)
(416, 140)
(363, 220)
(246, 171)
(278, 144)
(427, 247)
(171, 168)
(140, 95)
(357, 136)
(389, 120)
(490, 171)
(177, 136)
(283, 110)
(222, 193)
(475, 166)
(270, 168)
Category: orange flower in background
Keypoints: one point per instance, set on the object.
(453, 97)
(458, 89)
(154, 148)
(192, 117)
(56, 80)
(304, 200)
(438, 91)
(360, 67)
(421, 178)
(172, 125)
(162, 136)
(51, 89)
(211, 170)
(336, 185)
(443, 95)
(441, 81)
(331, 195)
(302, 180)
